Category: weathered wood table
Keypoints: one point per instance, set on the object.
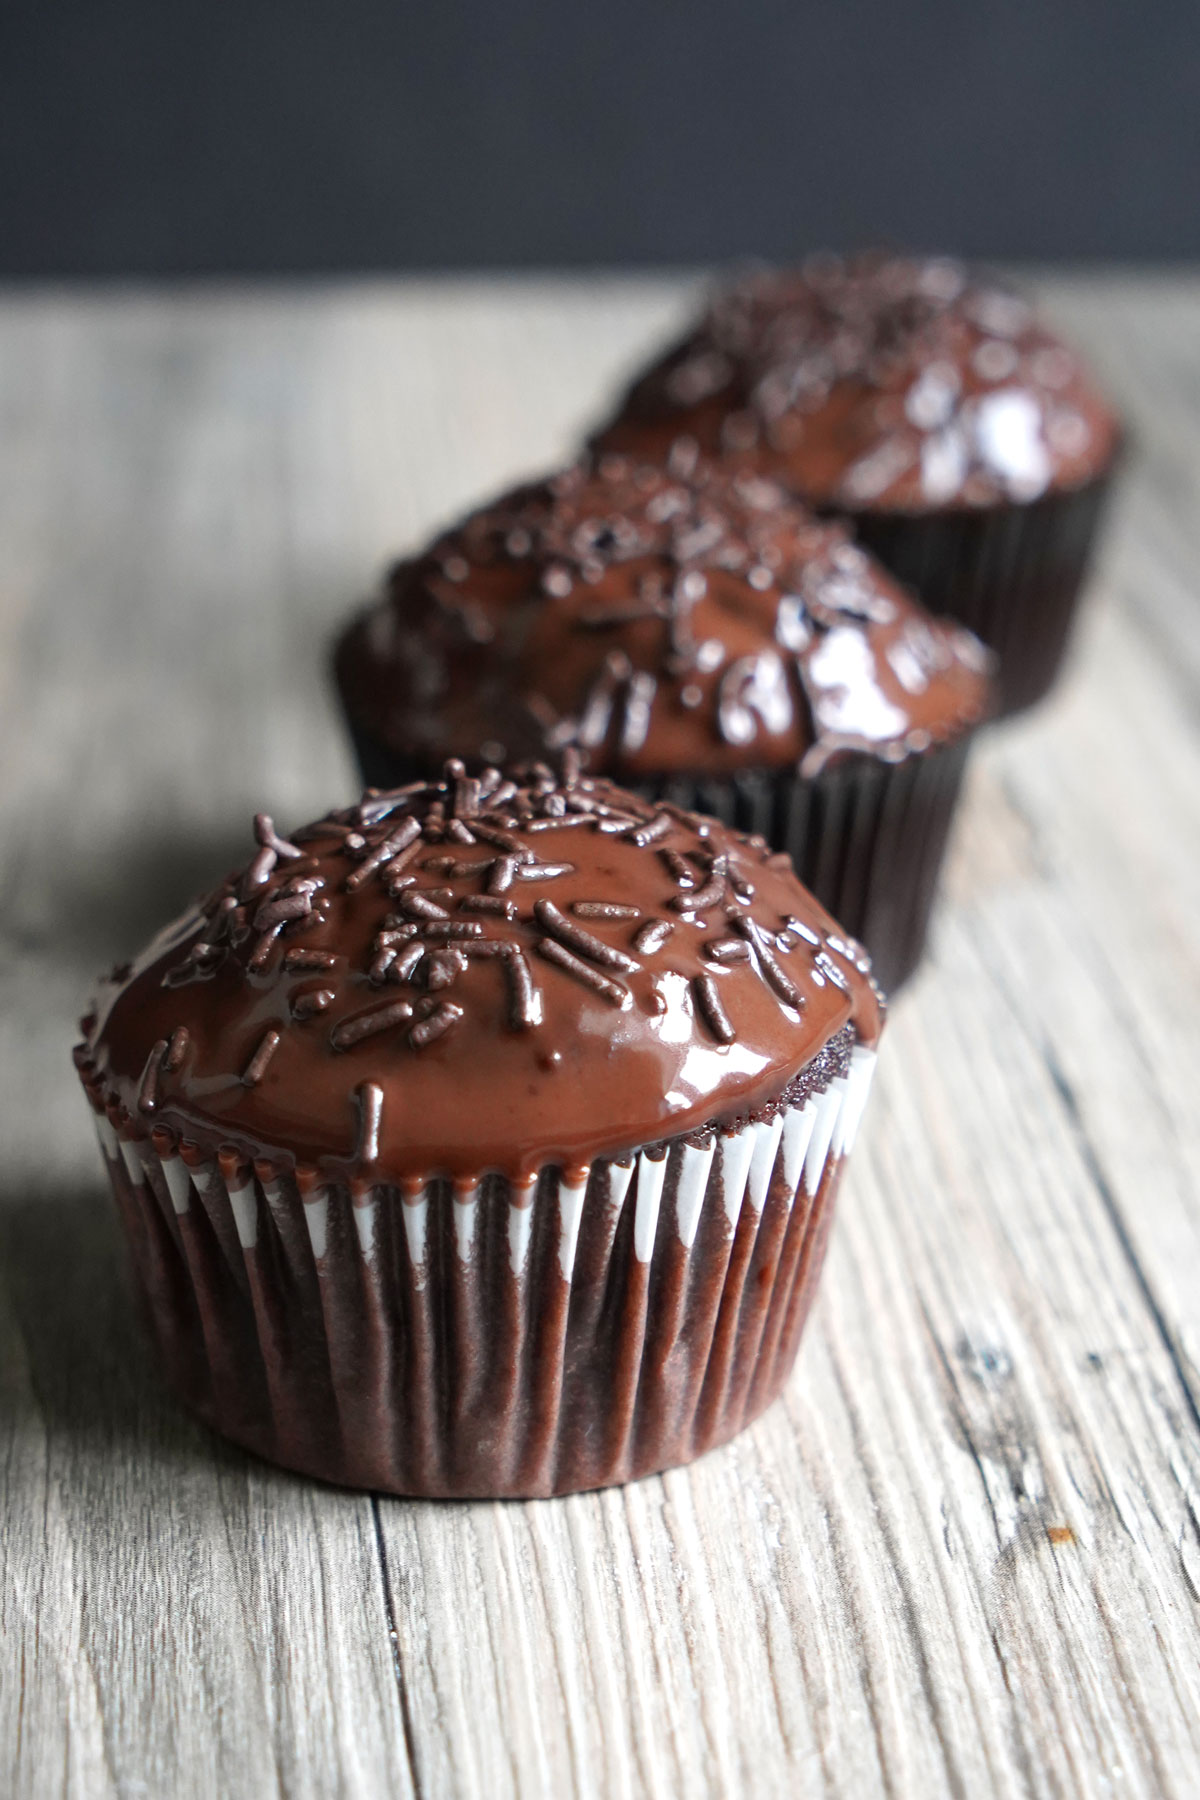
(963, 1555)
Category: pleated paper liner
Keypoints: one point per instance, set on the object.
(1014, 574)
(867, 837)
(488, 1340)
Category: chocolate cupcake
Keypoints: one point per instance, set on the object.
(700, 638)
(482, 1139)
(968, 446)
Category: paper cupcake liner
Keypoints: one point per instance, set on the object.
(491, 1340)
(1013, 574)
(867, 837)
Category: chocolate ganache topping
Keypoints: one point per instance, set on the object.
(661, 619)
(877, 381)
(479, 973)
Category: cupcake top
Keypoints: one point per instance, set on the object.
(474, 974)
(876, 381)
(671, 618)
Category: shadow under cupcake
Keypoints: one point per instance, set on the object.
(967, 445)
(702, 639)
(482, 1138)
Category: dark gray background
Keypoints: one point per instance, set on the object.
(180, 136)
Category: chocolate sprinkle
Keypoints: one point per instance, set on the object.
(543, 871)
(488, 903)
(442, 968)
(615, 991)
(269, 838)
(658, 827)
(525, 1000)
(260, 870)
(378, 972)
(773, 974)
(713, 891)
(406, 833)
(708, 1004)
(503, 872)
(353, 1031)
(684, 874)
(727, 950)
(830, 970)
(456, 870)
(256, 1068)
(559, 823)
(439, 1021)
(370, 1102)
(652, 936)
(420, 906)
(314, 1000)
(576, 938)
(376, 805)
(602, 909)
(503, 840)
(406, 961)
(262, 954)
(299, 958)
(176, 1049)
(283, 909)
(148, 1089)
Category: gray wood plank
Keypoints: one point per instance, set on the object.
(175, 1620)
(962, 1556)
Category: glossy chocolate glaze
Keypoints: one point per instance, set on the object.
(662, 619)
(883, 382)
(478, 974)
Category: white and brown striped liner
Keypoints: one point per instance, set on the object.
(488, 1339)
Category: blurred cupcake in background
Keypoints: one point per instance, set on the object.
(482, 1138)
(700, 637)
(969, 448)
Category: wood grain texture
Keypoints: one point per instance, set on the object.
(962, 1556)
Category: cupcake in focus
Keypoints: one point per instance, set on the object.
(968, 446)
(482, 1138)
(699, 637)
